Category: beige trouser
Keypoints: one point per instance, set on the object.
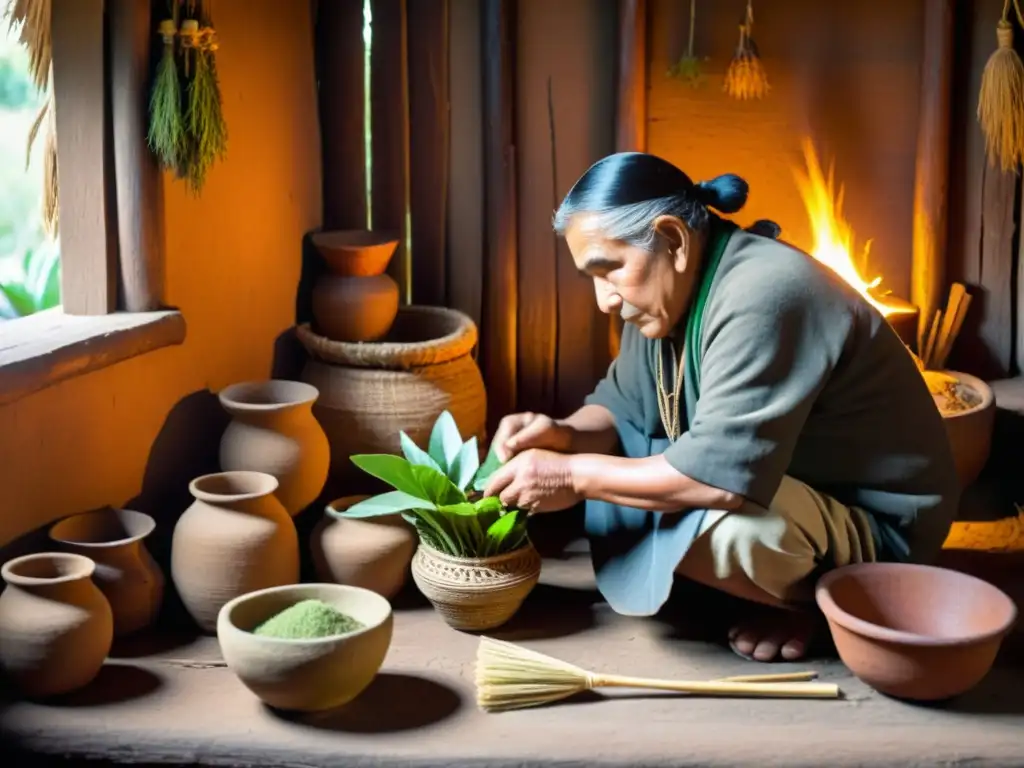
(774, 556)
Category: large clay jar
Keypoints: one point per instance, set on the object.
(368, 392)
(236, 537)
(273, 430)
(56, 627)
(125, 572)
(373, 553)
(355, 300)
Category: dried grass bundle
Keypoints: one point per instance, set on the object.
(512, 677)
(746, 77)
(34, 18)
(207, 129)
(1001, 97)
(166, 135)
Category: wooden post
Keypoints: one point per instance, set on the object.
(139, 189)
(498, 351)
(931, 183)
(631, 108)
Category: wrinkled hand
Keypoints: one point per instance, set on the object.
(520, 432)
(535, 480)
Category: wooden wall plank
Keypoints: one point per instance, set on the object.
(498, 346)
(995, 329)
(931, 181)
(428, 147)
(88, 267)
(465, 208)
(389, 98)
(138, 185)
(340, 69)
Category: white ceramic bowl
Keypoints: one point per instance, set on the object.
(299, 674)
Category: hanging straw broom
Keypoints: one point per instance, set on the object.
(746, 77)
(512, 677)
(1001, 97)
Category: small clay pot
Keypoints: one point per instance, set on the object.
(305, 675)
(915, 631)
(356, 252)
(125, 572)
(476, 593)
(373, 553)
(236, 537)
(56, 627)
(355, 308)
(273, 430)
(970, 431)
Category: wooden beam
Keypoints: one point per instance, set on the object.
(389, 97)
(498, 350)
(340, 69)
(428, 147)
(931, 183)
(138, 186)
(88, 285)
(997, 267)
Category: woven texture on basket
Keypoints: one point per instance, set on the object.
(420, 336)
(476, 593)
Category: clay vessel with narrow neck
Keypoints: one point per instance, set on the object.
(125, 572)
(236, 537)
(273, 430)
(56, 627)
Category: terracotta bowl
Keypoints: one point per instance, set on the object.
(305, 675)
(915, 631)
(356, 252)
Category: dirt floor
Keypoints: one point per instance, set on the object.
(168, 699)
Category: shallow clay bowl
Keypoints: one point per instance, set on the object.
(305, 675)
(915, 632)
(356, 252)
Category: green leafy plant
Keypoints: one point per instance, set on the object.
(36, 288)
(434, 491)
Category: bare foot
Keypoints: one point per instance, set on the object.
(774, 635)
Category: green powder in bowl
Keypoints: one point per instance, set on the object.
(308, 619)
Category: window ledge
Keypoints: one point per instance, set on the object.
(48, 347)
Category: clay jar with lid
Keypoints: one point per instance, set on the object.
(273, 430)
(355, 300)
(125, 572)
(56, 627)
(236, 537)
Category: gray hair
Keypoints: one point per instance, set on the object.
(634, 223)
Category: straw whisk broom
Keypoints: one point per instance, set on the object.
(511, 677)
(746, 77)
(1001, 97)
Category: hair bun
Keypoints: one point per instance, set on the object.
(726, 193)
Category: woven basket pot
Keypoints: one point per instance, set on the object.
(370, 391)
(476, 593)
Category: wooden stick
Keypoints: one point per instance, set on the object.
(779, 677)
(958, 323)
(956, 294)
(929, 344)
(721, 688)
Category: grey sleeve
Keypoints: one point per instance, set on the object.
(619, 391)
(769, 349)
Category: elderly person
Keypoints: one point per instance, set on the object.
(762, 422)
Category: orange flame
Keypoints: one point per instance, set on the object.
(833, 237)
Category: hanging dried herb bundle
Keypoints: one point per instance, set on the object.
(166, 134)
(1001, 98)
(688, 68)
(746, 77)
(207, 131)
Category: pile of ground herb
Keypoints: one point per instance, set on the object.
(308, 619)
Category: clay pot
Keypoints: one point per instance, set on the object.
(305, 675)
(373, 553)
(914, 631)
(56, 627)
(125, 572)
(355, 301)
(273, 430)
(236, 537)
(476, 593)
(369, 392)
(970, 431)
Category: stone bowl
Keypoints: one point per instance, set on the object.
(915, 632)
(305, 675)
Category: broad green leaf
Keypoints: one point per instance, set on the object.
(418, 481)
(488, 510)
(445, 440)
(467, 461)
(491, 464)
(417, 455)
(384, 504)
(51, 291)
(434, 521)
(20, 298)
(506, 534)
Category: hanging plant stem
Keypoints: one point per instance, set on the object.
(688, 67)
(1001, 97)
(207, 130)
(166, 135)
